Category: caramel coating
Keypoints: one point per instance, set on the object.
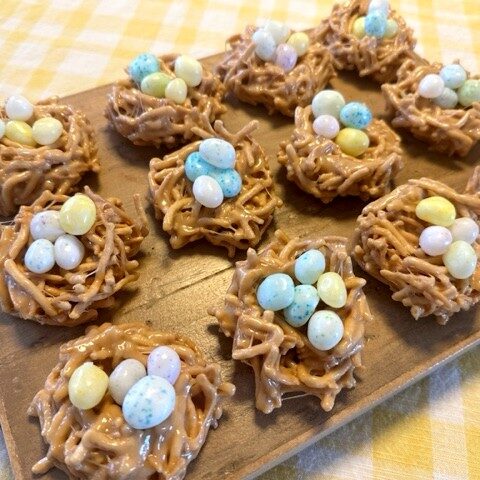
(26, 172)
(282, 358)
(69, 298)
(255, 81)
(98, 443)
(387, 247)
(239, 222)
(450, 131)
(373, 57)
(147, 120)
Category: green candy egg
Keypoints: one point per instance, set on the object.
(469, 92)
(155, 84)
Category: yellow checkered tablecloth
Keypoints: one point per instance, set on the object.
(57, 47)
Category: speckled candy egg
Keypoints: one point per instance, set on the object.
(218, 152)
(20, 132)
(465, 229)
(143, 65)
(309, 266)
(276, 292)
(328, 102)
(195, 166)
(148, 403)
(453, 75)
(279, 31)
(46, 225)
(435, 240)
(18, 108)
(305, 301)
(469, 92)
(436, 210)
(331, 289)
(448, 99)
(431, 86)
(40, 257)
(125, 375)
(352, 141)
(229, 180)
(325, 330)
(207, 191)
(358, 27)
(265, 45)
(356, 115)
(164, 362)
(300, 42)
(460, 260)
(87, 386)
(326, 126)
(189, 69)
(47, 130)
(78, 214)
(376, 24)
(69, 252)
(381, 5)
(285, 57)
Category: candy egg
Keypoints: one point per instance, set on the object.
(326, 126)
(164, 362)
(143, 65)
(460, 260)
(18, 108)
(356, 115)
(382, 5)
(195, 166)
(328, 102)
(189, 69)
(436, 210)
(126, 374)
(87, 386)
(325, 329)
(155, 84)
(148, 403)
(431, 86)
(47, 130)
(309, 266)
(229, 180)
(468, 93)
(376, 24)
(358, 27)
(392, 28)
(276, 292)
(352, 141)
(207, 191)
(453, 75)
(78, 214)
(300, 42)
(448, 99)
(305, 301)
(285, 57)
(435, 240)
(2, 128)
(69, 252)
(176, 90)
(46, 225)
(279, 31)
(218, 152)
(264, 45)
(40, 257)
(331, 289)
(20, 132)
(465, 229)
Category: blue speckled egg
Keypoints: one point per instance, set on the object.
(376, 24)
(218, 152)
(453, 76)
(196, 166)
(356, 115)
(229, 180)
(276, 292)
(305, 301)
(143, 65)
(149, 402)
(309, 266)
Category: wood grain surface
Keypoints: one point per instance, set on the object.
(176, 288)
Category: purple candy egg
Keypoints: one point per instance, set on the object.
(164, 362)
(286, 57)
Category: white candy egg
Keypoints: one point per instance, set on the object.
(189, 69)
(382, 5)
(279, 31)
(265, 46)
(18, 108)
(465, 229)
(164, 362)
(218, 152)
(69, 252)
(207, 191)
(326, 126)
(325, 329)
(126, 374)
(460, 260)
(40, 257)
(47, 130)
(176, 90)
(2, 128)
(46, 225)
(431, 86)
(435, 240)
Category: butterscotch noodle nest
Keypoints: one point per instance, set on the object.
(451, 131)
(319, 167)
(68, 298)
(98, 443)
(26, 172)
(387, 247)
(254, 81)
(239, 222)
(281, 356)
(378, 58)
(148, 120)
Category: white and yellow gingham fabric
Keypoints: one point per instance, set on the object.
(57, 47)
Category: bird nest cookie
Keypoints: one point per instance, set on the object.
(47, 146)
(377, 52)
(64, 258)
(96, 439)
(422, 241)
(271, 67)
(160, 102)
(232, 211)
(285, 354)
(442, 122)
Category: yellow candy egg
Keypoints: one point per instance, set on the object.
(358, 28)
(155, 84)
(331, 289)
(436, 210)
(20, 132)
(352, 141)
(460, 260)
(87, 386)
(47, 130)
(300, 42)
(392, 28)
(78, 214)
(189, 70)
(176, 91)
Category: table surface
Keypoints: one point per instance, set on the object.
(57, 47)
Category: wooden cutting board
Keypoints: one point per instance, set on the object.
(176, 288)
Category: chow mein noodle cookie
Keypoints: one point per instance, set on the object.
(46, 146)
(63, 258)
(132, 402)
(296, 314)
(163, 99)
